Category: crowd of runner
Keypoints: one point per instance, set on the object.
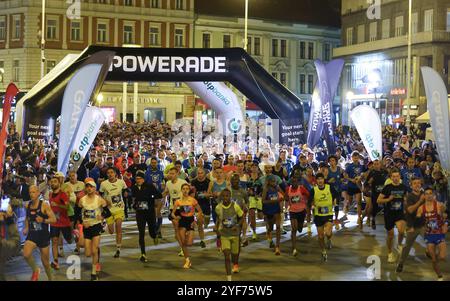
(131, 169)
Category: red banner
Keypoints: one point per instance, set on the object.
(11, 92)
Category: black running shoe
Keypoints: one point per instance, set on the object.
(143, 258)
(202, 244)
(94, 277)
(399, 268)
(117, 255)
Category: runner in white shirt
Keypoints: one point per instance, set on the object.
(173, 189)
(112, 190)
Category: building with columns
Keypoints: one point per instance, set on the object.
(376, 52)
(286, 48)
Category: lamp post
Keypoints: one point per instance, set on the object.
(408, 71)
(246, 25)
(43, 39)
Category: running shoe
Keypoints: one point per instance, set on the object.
(98, 267)
(55, 265)
(244, 243)
(156, 241)
(143, 258)
(117, 255)
(427, 254)
(76, 251)
(391, 258)
(271, 244)
(187, 264)
(294, 253)
(324, 256)
(202, 244)
(94, 277)
(35, 275)
(277, 251)
(440, 278)
(360, 223)
(337, 226)
(399, 268)
(254, 236)
(181, 253)
(235, 269)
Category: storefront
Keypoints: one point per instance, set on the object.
(162, 107)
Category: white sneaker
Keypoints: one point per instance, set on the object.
(391, 258)
(294, 253)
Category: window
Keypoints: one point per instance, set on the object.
(128, 2)
(327, 51)
(415, 23)
(283, 78)
(226, 41)
(302, 50)
(2, 70)
(128, 34)
(179, 4)
(275, 75)
(373, 31)
(302, 83)
(448, 19)
(283, 51)
(154, 36)
(428, 20)
(206, 40)
(349, 36)
(52, 26)
(361, 34)
(17, 27)
(102, 33)
(50, 65)
(179, 37)
(2, 28)
(399, 26)
(249, 45)
(257, 48)
(16, 70)
(274, 48)
(155, 3)
(75, 30)
(310, 83)
(310, 50)
(386, 29)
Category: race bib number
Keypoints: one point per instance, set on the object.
(117, 201)
(324, 210)
(229, 222)
(89, 214)
(396, 206)
(143, 205)
(187, 209)
(295, 199)
(433, 225)
(35, 226)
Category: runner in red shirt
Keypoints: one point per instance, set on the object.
(59, 203)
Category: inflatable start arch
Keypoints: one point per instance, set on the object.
(197, 67)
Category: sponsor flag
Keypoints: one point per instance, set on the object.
(11, 92)
(437, 98)
(370, 132)
(75, 100)
(91, 122)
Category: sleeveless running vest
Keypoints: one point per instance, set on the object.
(323, 201)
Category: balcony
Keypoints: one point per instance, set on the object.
(402, 41)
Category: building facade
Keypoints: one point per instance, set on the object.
(286, 50)
(376, 52)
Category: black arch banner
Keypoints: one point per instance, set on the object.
(180, 64)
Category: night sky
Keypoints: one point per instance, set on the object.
(318, 12)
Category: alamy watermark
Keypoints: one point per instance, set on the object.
(73, 12)
(373, 272)
(374, 10)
